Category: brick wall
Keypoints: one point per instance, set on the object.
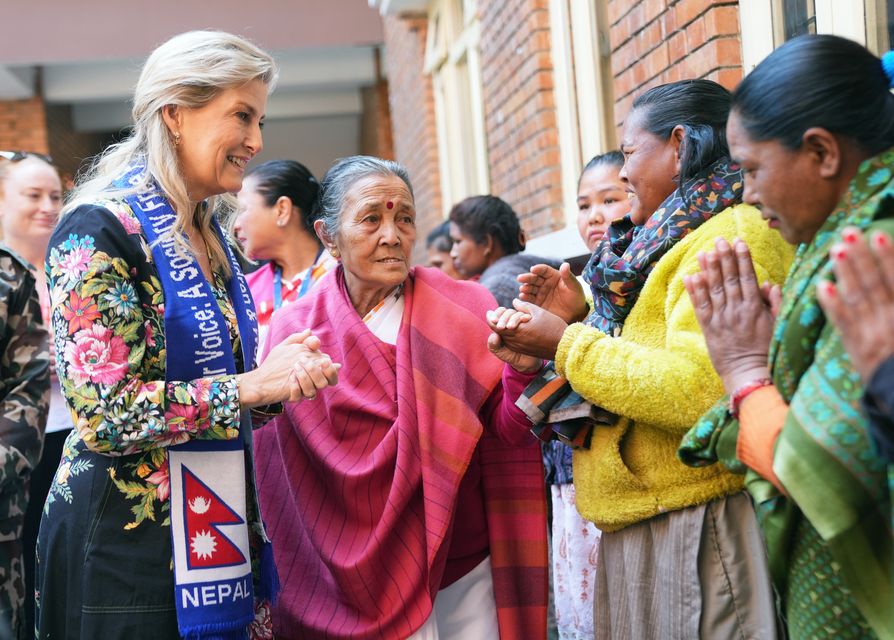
(658, 41)
(71, 150)
(23, 125)
(519, 111)
(376, 138)
(413, 119)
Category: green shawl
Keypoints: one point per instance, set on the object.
(823, 457)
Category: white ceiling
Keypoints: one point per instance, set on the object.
(320, 82)
(89, 52)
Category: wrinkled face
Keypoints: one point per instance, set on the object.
(470, 258)
(441, 260)
(255, 225)
(377, 234)
(218, 139)
(601, 198)
(30, 201)
(650, 166)
(784, 184)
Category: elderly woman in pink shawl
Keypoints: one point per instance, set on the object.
(407, 501)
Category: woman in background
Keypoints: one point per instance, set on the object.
(30, 202)
(487, 245)
(274, 224)
(438, 245)
(601, 199)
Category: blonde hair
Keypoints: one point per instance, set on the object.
(189, 71)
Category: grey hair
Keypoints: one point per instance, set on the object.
(189, 70)
(343, 175)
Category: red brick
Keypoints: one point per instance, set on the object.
(721, 21)
(657, 61)
(676, 46)
(648, 38)
(696, 35)
(721, 52)
(729, 77)
(616, 10)
(686, 11)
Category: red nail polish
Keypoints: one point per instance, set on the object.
(830, 289)
(850, 236)
(839, 253)
(881, 240)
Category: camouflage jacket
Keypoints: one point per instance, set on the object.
(24, 388)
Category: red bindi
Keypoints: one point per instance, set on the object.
(389, 204)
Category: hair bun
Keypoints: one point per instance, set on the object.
(888, 66)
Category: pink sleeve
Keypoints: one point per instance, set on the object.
(499, 413)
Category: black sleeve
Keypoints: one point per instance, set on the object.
(878, 402)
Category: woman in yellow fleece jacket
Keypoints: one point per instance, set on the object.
(681, 556)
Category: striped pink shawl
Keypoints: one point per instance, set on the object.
(358, 488)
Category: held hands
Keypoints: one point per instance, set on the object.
(294, 370)
(861, 304)
(510, 319)
(525, 330)
(735, 314)
(556, 291)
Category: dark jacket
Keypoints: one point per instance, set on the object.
(500, 277)
(878, 402)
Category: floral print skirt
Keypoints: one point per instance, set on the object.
(575, 547)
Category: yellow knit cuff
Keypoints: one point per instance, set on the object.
(568, 338)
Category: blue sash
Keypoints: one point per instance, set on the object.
(209, 530)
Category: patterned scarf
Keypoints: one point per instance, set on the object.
(617, 272)
(823, 457)
(619, 267)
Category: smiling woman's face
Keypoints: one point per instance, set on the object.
(377, 233)
(30, 201)
(650, 166)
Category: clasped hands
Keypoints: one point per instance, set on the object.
(531, 330)
(294, 370)
(735, 313)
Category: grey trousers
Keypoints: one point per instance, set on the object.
(699, 572)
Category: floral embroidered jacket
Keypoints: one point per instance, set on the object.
(108, 322)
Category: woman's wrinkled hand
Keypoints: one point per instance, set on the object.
(735, 314)
(294, 370)
(518, 361)
(527, 329)
(555, 290)
(861, 303)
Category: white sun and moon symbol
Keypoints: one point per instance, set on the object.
(204, 544)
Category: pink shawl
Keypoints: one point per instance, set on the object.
(358, 488)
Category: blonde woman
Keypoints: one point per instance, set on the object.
(151, 527)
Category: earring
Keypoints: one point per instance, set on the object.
(177, 139)
(280, 223)
(334, 253)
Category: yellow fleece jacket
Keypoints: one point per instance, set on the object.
(657, 376)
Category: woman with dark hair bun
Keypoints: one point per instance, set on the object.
(680, 555)
(487, 245)
(274, 223)
(813, 127)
